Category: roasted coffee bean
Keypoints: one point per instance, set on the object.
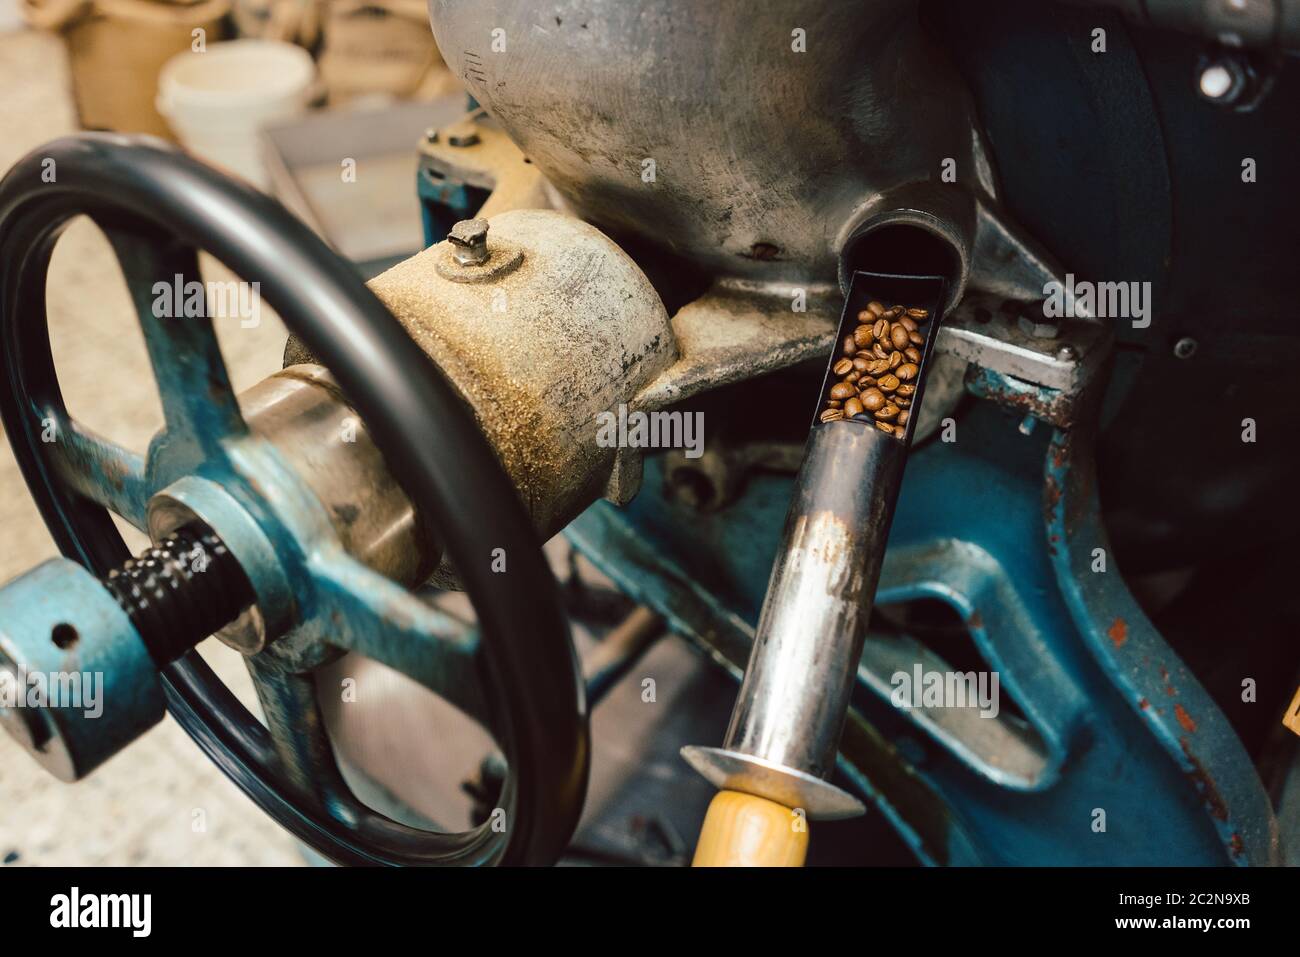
(873, 399)
(877, 365)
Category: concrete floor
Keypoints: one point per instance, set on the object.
(160, 801)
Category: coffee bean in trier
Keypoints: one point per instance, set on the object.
(878, 362)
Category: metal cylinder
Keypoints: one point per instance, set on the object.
(66, 639)
(303, 413)
(796, 691)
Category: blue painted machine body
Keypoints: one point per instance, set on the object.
(1130, 762)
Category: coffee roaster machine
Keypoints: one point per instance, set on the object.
(659, 206)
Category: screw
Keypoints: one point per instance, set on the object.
(1223, 80)
(431, 135)
(1067, 353)
(1185, 347)
(468, 240)
(179, 591)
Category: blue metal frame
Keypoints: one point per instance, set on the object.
(1001, 525)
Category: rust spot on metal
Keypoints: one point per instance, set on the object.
(1118, 632)
(113, 471)
(1235, 845)
(1143, 703)
(1051, 495)
(1169, 686)
(1184, 718)
(1213, 800)
(975, 620)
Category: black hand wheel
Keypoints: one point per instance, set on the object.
(159, 207)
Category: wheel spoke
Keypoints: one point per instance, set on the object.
(376, 617)
(199, 405)
(100, 470)
(298, 734)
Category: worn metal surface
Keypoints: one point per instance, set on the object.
(99, 688)
(304, 414)
(984, 330)
(492, 170)
(691, 603)
(973, 529)
(734, 332)
(538, 349)
(1155, 685)
(802, 669)
(791, 708)
(755, 176)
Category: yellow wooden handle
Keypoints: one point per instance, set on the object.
(741, 830)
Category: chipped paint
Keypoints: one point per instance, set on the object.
(1118, 632)
(1204, 783)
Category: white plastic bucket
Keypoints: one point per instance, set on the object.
(217, 100)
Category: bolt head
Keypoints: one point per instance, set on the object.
(1185, 347)
(1222, 80)
(468, 240)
